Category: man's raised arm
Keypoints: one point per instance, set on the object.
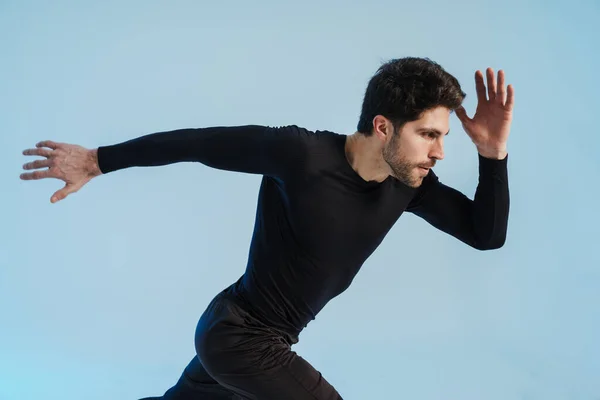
(251, 149)
(482, 222)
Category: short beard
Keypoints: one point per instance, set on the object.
(401, 168)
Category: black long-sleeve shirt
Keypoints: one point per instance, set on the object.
(317, 220)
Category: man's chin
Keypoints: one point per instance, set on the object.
(416, 183)
(417, 180)
(413, 181)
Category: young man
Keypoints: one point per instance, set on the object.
(326, 202)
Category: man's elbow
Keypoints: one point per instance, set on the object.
(494, 244)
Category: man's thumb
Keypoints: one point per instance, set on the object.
(461, 113)
(64, 192)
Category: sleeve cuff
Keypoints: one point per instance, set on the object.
(106, 161)
(493, 167)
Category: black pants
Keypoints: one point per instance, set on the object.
(239, 357)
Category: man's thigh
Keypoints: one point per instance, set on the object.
(297, 380)
(252, 360)
(196, 384)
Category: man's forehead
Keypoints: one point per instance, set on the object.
(437, 118)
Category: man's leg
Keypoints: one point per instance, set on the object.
(295, 380)
(196, 384)
(253, 360)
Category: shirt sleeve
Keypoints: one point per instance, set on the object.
(254, 149)
(482, 222)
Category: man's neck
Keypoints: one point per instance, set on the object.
(364, 156)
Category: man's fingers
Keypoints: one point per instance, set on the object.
(37, 152)
(510, 98)
(47, 163)
(480, 87)
(501, 88)
(40, 174)
(48, 143)
(491, 84)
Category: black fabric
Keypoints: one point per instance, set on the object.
(239, 357)
(317, 221)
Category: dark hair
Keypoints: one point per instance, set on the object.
(402, 89)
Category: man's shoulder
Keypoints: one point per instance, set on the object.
(304, 132)
(312, 140)
(314, 149)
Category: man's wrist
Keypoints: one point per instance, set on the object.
(494, 154)
(94, 168)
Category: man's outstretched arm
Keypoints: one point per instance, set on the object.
(250, 149)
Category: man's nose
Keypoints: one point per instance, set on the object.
(437, 152)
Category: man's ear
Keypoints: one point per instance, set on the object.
(382, 128)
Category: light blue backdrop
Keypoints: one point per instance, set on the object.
(100, 293)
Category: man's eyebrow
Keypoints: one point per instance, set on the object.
(437, 131)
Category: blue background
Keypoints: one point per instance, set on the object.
(100, 293)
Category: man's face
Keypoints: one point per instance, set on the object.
(417, 146)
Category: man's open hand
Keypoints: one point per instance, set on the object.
(490, 127)
(73, 164)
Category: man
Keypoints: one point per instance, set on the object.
(326, 202)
